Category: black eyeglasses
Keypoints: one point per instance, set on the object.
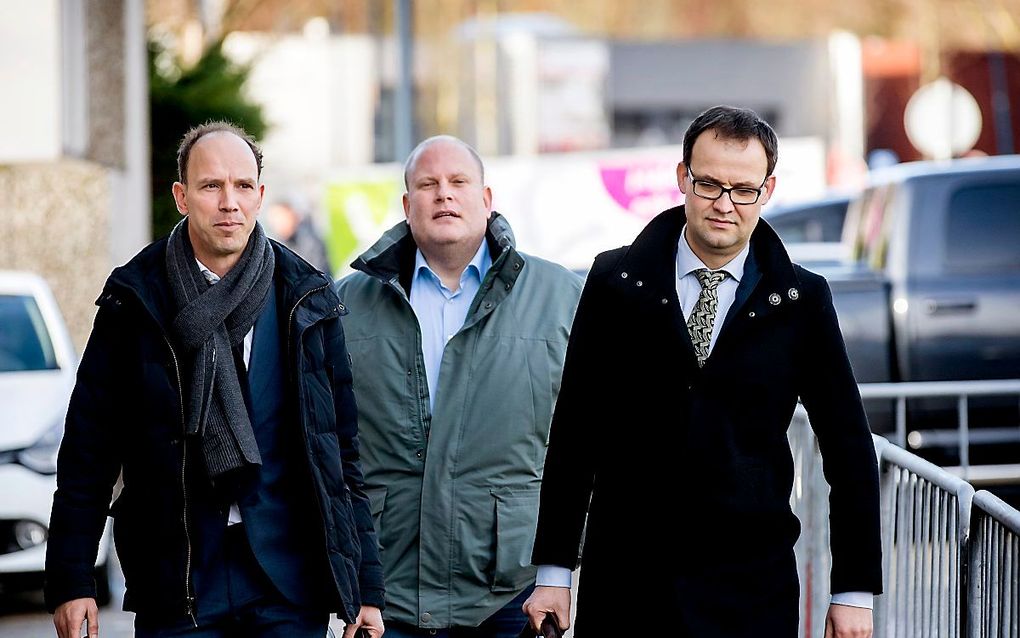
(740, 195)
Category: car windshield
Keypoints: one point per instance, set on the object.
(24, 342)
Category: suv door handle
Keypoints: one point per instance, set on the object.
(947, 306)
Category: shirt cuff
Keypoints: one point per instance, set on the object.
(863, 599)
(553, 576)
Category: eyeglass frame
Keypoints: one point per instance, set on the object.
(726, 191)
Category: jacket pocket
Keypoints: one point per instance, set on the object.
(516, 520)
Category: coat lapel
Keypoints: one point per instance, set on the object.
(646, 276)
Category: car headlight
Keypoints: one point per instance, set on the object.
(41, 456)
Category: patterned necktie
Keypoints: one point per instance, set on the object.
(702, 318)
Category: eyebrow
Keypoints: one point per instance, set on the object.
(709, 178)
(216, 180)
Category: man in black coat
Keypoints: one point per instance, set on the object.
(688, 353)
(216, 383)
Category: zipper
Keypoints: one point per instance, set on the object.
(290, 319)
(293, 355)
(424, 414)
(189, 599)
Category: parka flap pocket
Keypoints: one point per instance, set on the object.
(516, 520)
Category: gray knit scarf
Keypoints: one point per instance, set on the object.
(210, 320)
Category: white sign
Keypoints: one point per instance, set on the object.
(942, 119)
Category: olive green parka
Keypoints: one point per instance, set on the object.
(455, 494)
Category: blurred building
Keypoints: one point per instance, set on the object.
(74, 193)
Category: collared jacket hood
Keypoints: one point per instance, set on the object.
(455, 492)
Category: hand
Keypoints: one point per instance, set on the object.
(70, 615)
(548, 600)
(369, 621)
(844, 621)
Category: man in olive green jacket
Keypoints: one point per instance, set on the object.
(457, 341)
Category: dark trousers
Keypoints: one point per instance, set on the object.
(243, 603)
(505, 623)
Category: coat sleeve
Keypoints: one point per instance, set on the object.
(370, 573)
(88, 462)
(570, 464)
(830, 395)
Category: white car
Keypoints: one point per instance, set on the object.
(37, 370)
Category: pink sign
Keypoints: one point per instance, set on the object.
(642, 188)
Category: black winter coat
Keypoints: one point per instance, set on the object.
(126, 418)
(688, 471)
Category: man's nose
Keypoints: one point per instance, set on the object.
(724, 204)
(228, 199)
(443, 192)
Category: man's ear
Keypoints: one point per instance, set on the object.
(770, 187)
(681, 177)
(407, 205)
(487, 198)
(180, 198)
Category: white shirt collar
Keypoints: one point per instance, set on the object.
(209, 275)
(687, 262)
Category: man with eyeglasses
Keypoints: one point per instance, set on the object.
(688, 354)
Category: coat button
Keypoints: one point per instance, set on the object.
(751, 315)
(488, 304)
(623, 275)
(775, 299)
(793, 294)
(417, 453)
(426, 617)
(639, 283)
(517, 265)
(508, 286)
(665, 301)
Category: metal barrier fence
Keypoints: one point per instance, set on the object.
(940, 578)
(962, 391)
(994, 594)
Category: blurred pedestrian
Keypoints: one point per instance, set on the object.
(458, 341)
(289, 221)
(216, 383)
(687, 357)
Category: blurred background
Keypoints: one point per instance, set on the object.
(578, 108)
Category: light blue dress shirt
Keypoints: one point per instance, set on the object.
(441, 312)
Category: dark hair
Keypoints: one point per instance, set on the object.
(212, 126)
(412, 159)
(732, 123)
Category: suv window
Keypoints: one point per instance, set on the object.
(24, 342)
(983, 229)
(820, 223)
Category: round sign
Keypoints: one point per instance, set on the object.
(942, 119)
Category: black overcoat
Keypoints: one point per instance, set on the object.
(685, 474)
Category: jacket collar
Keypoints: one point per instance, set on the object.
(651, 258)
(646, 274)
(391, 258)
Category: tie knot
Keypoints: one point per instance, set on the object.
(709, 279)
